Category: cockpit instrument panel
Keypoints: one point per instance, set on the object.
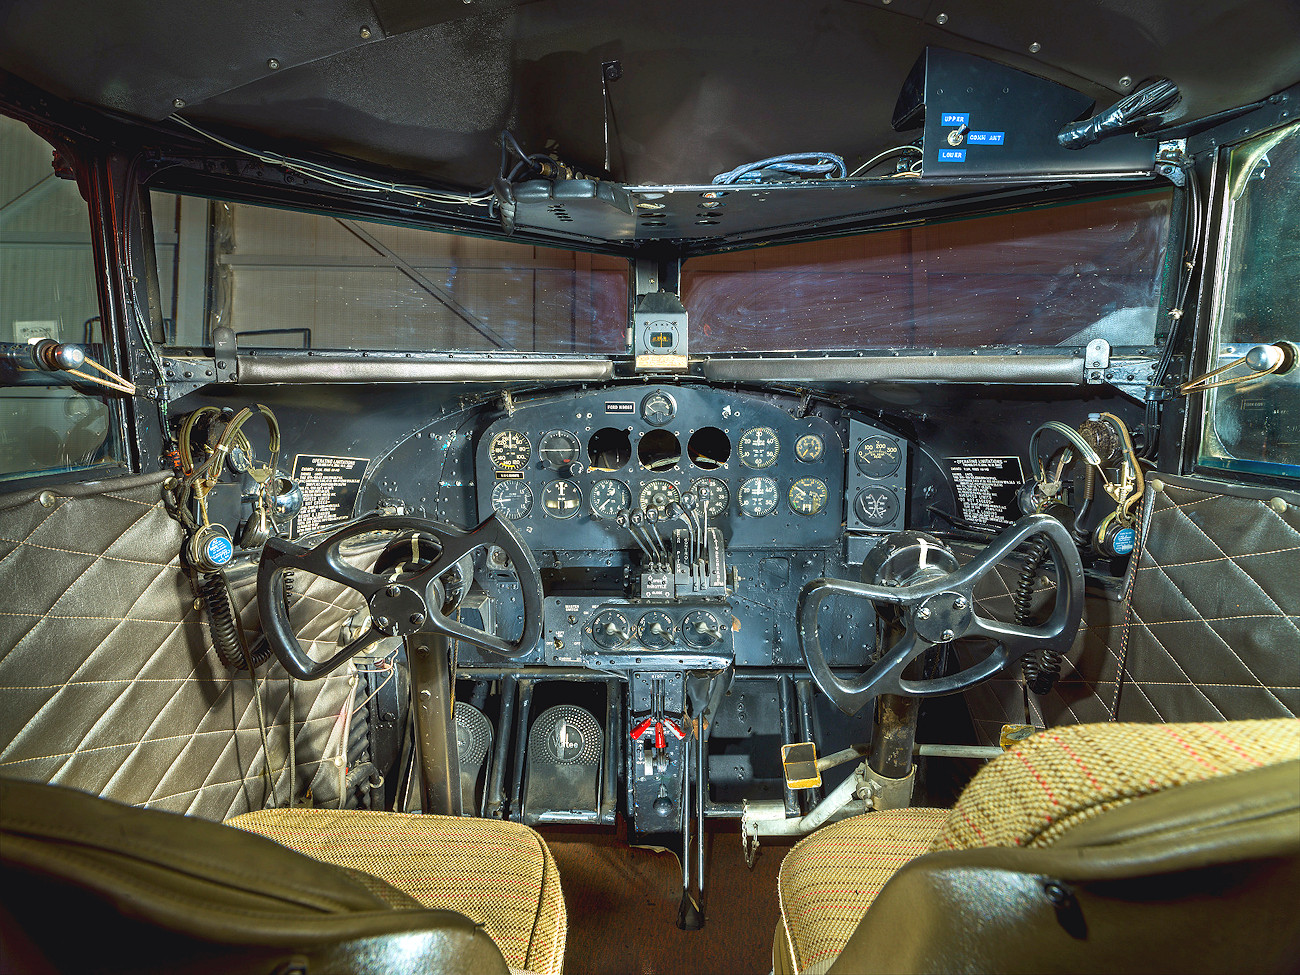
(562, 467)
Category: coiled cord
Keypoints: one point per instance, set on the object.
(224, 627)
(1041, 668)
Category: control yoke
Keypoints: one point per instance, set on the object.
(399, 603)
(935, 599)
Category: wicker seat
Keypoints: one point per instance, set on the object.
(1027, 798)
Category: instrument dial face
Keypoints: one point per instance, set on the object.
(876, 507)
(512, 499)
(561, 499)
(609, 497)
(610, 629)
(758, 497)
(657, 494)
(658, 408)
(701, 630)
(878, 457)
(809, 448)
(713, 494)
(655, 629)
(509, 451)
(559, 450)
(758, 448)
(808, 496)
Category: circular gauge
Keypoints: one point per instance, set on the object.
(655, 629)
(758, 497)
(559, 450)
(809, 448)
(512, 499)
(561, 499)
(509, 451)
(808, 496)
(876, 507)
(758, 448)
(657, 494)
(658, 408)
(610, 629)
(878, 457)
(713, 493)
(609, 497)
(701, 630)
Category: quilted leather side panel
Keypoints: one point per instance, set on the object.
(1213, 627)
(108, 679)
(1209, 629)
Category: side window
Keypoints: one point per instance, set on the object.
(47, 290)
(1254, 425)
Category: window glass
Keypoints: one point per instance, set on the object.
(47, 290)
(1058, 275)
(1255, 425)
(285, 279)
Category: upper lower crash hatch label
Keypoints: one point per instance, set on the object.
(330, 486)
(986, 490)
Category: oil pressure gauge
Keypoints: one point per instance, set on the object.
(809, 448)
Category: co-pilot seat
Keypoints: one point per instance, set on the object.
(1113, 847)
(92, 885)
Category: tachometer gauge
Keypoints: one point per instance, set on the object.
(509, 451)
(512, 499)
(658, 408)
(758, 497)
(876, 507)
(758, 448)
(655, 629)
(561, 499)
(808, 496)
(657, 494)
(809, 448)
(559, 450)
(878, 457)
(609, 497)
(610, 629)
(713, 493)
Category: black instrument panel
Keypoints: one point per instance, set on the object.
(562, 467)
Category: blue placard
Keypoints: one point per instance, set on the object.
(219, 550)
(955, 118)
(987, 138)
(952, 155)
(1123, 542)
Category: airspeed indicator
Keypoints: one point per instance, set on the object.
(509, 451)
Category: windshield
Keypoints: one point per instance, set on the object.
(1059, 275)
(291, 280)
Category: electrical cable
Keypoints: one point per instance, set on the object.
(796, 164)
(341, 178)
(881, 157)
(1042, 668)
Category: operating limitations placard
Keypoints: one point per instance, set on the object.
(329, 489)
(986, 489)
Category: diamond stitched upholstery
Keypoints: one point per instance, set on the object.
(1029, 796)
(1063, 776)
(497, 873)
(108, 681)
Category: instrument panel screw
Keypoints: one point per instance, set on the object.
(948, 635)
(1125, 82)
(47, 499)
(381, 623)
(417, 618)
(1277, 504)
(959, 602)
(273, 64)
(365, 33)
(923, 613)
(178, 103)
(392, 590)
(1035, 47)
(941, 19)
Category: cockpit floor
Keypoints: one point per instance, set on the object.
(622, 904)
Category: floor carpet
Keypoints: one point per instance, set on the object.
(622, 904)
